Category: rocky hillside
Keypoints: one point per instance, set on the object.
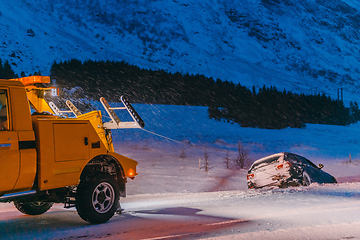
(303, 46)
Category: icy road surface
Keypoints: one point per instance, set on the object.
(317, 212)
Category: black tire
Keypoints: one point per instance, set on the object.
(33, 208)
(97, 199)
(306, 179)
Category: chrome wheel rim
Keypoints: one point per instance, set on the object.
(306, 179)
(103, 197)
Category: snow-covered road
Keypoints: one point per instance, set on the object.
(317, 212)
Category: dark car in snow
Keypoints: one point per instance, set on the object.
(286, 170)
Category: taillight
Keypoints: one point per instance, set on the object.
(250, 176)
(287, 165)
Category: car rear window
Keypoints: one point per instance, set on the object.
(263, 163)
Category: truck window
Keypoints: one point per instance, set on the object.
(32, 110)
(4, 124)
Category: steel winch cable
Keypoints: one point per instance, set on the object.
(170, 139)
(173, 140)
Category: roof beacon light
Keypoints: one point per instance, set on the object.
(32, 80)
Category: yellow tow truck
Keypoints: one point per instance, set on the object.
(49, 158)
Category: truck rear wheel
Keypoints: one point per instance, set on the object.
(33, 208)
(97, 199)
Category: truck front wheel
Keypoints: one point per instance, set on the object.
(33, 208)
(97, 199)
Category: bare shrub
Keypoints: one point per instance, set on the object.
(243, 157)
(182, 153)
(206, 157)
(227, 160)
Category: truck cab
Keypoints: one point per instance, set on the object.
(47, 158)
(17, 139)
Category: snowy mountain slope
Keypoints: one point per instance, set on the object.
(294, 45)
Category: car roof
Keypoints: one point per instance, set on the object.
(267, 157)
(278, 155)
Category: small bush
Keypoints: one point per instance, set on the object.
(243, 158)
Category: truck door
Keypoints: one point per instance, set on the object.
(9, 147)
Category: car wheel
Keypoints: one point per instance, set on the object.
(33, 208)
(97, 199)
(306, 179)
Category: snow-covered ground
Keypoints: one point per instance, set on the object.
(318, 212)
(160, 158)
(172, 198)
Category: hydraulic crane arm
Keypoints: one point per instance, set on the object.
(36, 94)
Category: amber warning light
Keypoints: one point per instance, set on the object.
(33, 79)
(132, 174)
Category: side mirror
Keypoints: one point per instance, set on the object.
(54, 92)
(321, 166)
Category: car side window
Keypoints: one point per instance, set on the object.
(293, 159)
(306, 161)
(4, 123)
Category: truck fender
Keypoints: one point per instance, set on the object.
(128, 164)
(104, 163)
